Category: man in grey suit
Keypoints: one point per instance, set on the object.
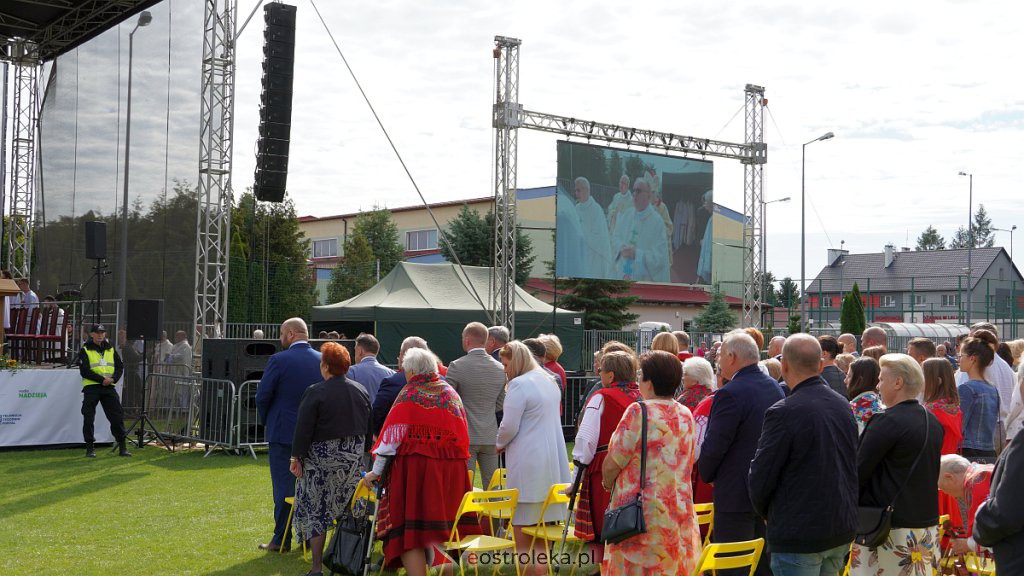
(480, 381)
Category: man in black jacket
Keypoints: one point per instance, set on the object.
(734, 427)
(101, 368)
(803, 478)
(999, 522)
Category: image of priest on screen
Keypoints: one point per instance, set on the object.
(594, 226)
(640, 239)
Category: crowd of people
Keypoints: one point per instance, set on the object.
(788, 446)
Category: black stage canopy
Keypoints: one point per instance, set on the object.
(57, 26)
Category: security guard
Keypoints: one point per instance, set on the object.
(101, 368)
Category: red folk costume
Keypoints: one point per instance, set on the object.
(593, 498)
(427, 477)
(692, 396)
(948, 414)
(977, 483)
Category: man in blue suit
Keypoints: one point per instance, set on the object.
(734, 428)
(286, 377)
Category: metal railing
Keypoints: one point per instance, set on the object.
(193, 409)
(249, 431)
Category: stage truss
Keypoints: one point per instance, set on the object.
(24, 56)
(509, 115)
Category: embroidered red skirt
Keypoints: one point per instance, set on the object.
(593, 501)
(421, 499)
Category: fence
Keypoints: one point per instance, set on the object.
(640, 341)
(249, 431)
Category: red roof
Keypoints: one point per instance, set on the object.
(661, 293)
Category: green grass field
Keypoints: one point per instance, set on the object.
(155, 513)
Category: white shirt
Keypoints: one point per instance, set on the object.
(645, 232)
(585, 448)
(596, 244)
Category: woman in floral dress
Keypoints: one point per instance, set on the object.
(671, 544)
(861, 381)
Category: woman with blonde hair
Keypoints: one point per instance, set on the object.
(531, 437)
(552, 351)
(665, 341)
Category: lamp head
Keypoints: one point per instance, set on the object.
(1012, 228)
(962, 173)
(826, 136)
(145, 18)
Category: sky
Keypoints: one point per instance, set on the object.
(915, 92)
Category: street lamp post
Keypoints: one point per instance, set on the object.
(144, 19)
(803, 228)
(970, 240)
(764, 254)
(1010, 230)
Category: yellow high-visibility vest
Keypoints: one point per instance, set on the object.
(101, 363)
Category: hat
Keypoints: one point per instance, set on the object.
(97, 328)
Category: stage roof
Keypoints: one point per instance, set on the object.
(57, 26)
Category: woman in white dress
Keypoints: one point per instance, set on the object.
(531, 437)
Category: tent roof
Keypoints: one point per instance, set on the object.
(440, 287)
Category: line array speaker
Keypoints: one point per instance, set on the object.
(275, 102)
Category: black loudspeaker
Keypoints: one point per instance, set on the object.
(275, 102)
(95, 240)
(145, 317)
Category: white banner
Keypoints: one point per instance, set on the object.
(40, 407)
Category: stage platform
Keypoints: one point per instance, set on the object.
(43, 406)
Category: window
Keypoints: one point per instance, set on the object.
(421, 240)
(888, 302)
(950, 300)
(919, 300)
(826, 302)
(325, 248)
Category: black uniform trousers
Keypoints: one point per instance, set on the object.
(107, 397)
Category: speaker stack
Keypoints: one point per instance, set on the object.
(275, 102)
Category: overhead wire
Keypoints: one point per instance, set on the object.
(398, 155)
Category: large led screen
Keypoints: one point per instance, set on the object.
(631, 215)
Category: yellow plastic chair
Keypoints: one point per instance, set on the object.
(480, 502)
(980, 565)
(746, 554)
(705, 517)
(497, 482)
(942, 525)
(290, 500)
(552, 532)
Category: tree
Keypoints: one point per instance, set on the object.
(983, 232)
(355, 274)
(716, 316)
(472, 238)
(851, 317)
(765, 281)
(603, 302)
(788, 293)
(381, 234)
(794, 324)
(930, 240)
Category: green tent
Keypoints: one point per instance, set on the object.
(435, 302)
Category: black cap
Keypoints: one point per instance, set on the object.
(97, 328)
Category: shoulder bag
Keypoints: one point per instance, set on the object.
(626, 521)
(873, 523)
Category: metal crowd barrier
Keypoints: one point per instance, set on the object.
(187, 408)
(250, 432)
(572, 403)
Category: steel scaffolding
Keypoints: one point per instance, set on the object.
(509, 116)
(213, 218)
(25, 57)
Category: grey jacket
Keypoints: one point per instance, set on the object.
(480, 381)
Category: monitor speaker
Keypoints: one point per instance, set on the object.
(96, 240)
(145, 317)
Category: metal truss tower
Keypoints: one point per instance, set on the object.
(506, 120)
(753, 186)
(25, 57)
(213, 218)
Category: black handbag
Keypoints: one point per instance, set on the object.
(626, 521)
(873, 523)
(346, 554)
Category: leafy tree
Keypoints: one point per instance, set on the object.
(716, 316)
(472, 238)
(381, 234)
(788, 294)
(604, 303)
(794, 324)
(930, 239)
(961, 239)
(356, 274)
(268, 278)
(765, 282)
(634, 167)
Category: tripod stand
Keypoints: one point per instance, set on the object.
(100, 270)
(142, 420)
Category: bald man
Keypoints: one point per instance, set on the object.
(849, 342)
(285, 379)
(874, 336)
(803, 478)
(775, 346)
